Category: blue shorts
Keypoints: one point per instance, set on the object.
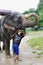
(16, 49)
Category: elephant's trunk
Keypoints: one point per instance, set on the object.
(29, 23)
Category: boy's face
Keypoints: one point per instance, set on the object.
(19, 33)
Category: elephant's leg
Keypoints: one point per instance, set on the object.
(0, 46)
(3, 47)
(12, 48)
(7, 46)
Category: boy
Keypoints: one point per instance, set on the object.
(17, 40)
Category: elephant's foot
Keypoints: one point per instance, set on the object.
(7, 53)
(3, 47)
(8, 56)
(1, 51)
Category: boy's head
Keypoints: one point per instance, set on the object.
(20, 32)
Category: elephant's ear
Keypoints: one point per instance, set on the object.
(6, 22)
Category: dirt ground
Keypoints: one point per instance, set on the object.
(28, 58)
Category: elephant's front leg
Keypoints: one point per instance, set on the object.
(7, 49)
(7, 46)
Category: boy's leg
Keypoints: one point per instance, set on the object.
(13, 49)
(16, 52)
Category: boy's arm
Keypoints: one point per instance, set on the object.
(24, 33)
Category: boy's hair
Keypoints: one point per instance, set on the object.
(21, 33)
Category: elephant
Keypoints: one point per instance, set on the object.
(13, 22)
(3, 13)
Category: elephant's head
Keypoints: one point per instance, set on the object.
(18, 21)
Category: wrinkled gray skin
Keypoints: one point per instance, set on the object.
(17, 21)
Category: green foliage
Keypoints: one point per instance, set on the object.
(40, 12)
(29, 11)
(41, 23)
(31, 18)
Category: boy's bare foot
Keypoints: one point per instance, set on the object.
(19, 60)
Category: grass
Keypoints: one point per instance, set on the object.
(36, 43)
(34, 52)
(34, 32)
(38, 56)
(41, 53)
